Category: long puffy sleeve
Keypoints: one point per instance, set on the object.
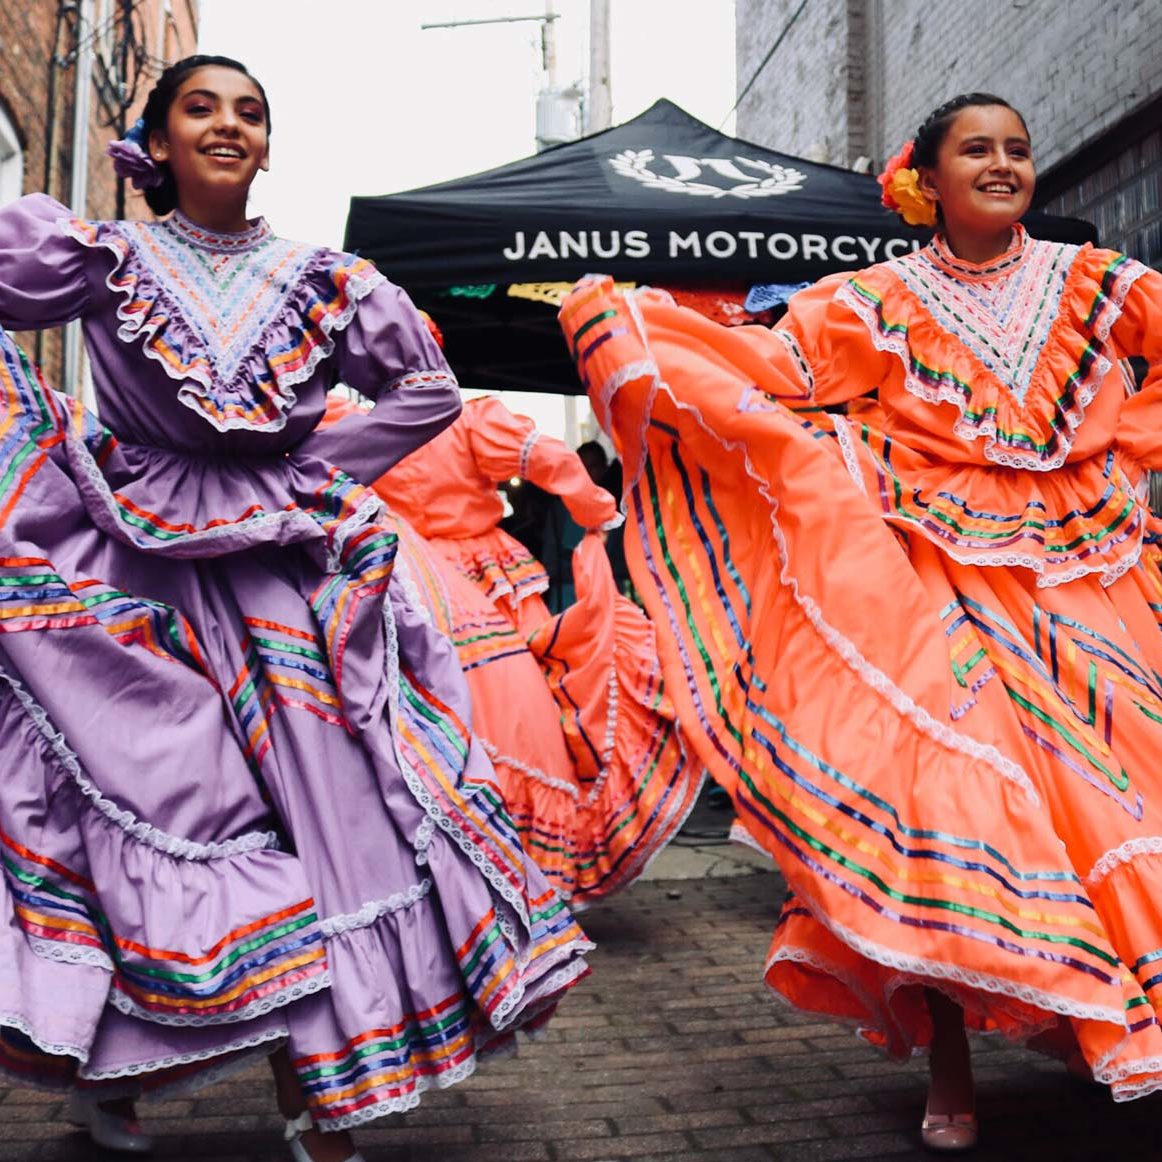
(505, 445)
(1138, 331)
(820, 354)
(43, 280)
(828, 355)
(387, 354)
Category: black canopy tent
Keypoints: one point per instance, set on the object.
(661, 199)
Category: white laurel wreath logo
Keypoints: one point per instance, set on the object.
(635, 164)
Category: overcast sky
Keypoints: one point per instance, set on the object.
(365, 102)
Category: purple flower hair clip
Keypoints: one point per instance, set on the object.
(132, 161)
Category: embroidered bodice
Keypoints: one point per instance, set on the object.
(211, 356)
(1002, 428)
(205, 341)
(1000, 311)
(240, 319)
(1023, 347)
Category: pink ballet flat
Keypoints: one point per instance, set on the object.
(949, 1133)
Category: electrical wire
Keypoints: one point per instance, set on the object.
(99, 30)
(765, 61)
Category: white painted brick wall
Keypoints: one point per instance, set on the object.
(798, 102)
(1074, 68)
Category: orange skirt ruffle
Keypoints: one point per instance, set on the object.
(955, 768)
(594, 775)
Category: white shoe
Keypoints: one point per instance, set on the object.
(296, 1128)
(110, 1131)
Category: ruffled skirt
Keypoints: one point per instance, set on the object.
(594, 772)
(954, 764)
(242, 803)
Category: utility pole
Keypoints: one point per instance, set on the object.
(121, 122)
(600, 111)
(557, 121)
(598, 116)
(78, 193)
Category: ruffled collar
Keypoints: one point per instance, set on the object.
(218, 241)
(1020, 357)
(238, 319)
(942, 257)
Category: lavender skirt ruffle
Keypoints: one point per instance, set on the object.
(241, 803)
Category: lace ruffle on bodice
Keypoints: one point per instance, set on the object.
(238, 319)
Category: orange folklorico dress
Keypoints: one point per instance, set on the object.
(919, 642)
(570, 708)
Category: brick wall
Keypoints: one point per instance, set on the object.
(30, 36)
(798, 103)
(1075, 69)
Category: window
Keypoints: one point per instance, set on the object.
(1123, 199)
(11, 161)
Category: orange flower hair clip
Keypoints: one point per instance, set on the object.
(902, 193)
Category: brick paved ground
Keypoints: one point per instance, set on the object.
(670, 1050)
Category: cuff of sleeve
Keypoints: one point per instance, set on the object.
(614, 522)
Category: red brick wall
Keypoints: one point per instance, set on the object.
(27, 37)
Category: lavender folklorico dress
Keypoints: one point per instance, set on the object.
(240, 802)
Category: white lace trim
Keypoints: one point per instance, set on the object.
(133, 328)
(404, 1103)
(427, 378)
(795, 954)
(897, 345)
(980, 981)
(402, 575)
(882, 1015)
(614, 522)
(375, 910)
(1105, 324)
(846, 650)
(847, 447)
(526, 450)
(493, 752)
(125, 1004)
(1138, 1090)
(623, 375)
(415, 783)
(128, 822)
(356, 288)
(69, 953)
(639, 861)
(15, 1021)
(175, 1059)
(609, 743)
(1108, 571)
(1123, 854)
(271, 520)
(423, 839)
(739, 834)
(806, 375)
(448, 1077)
(369, 509)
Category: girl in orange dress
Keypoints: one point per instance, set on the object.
(918, 639)
(448, 494)
(570, 708)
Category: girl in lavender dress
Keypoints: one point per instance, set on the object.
(242, 810)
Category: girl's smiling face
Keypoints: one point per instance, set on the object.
(984, 175)
(216, 136)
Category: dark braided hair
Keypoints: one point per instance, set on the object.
(163, 198)
(934, 129)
